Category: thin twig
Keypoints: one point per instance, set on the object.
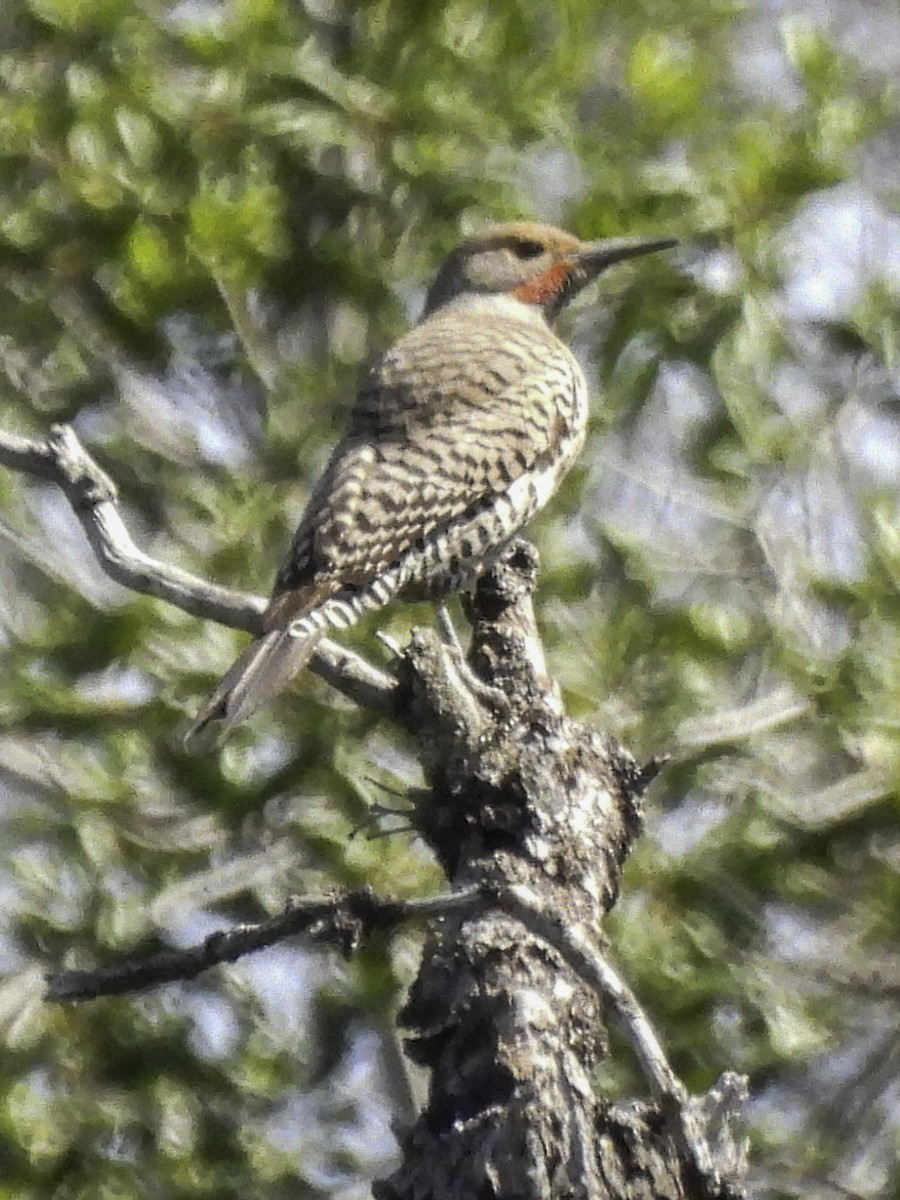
(63, 460)
(263, 362)
(344, 920)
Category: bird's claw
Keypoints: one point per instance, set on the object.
(390, 642)
(487, 694)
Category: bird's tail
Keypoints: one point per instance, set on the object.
(264, 669)
(269, 664)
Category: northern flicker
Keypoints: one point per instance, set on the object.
(459, 434)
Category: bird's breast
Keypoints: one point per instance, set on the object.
(461, 363)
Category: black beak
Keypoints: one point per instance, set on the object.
(597, 256)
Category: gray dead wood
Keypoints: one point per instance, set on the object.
(510, 1007)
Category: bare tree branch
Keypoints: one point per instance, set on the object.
(688, 1116)
(61, 459)
(589, 964)
(344, 920)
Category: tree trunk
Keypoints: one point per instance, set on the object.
(524, 802)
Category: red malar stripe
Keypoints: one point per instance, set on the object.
(544, 287)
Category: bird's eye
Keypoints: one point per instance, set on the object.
(527, 249)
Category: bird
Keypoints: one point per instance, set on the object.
(459, 434)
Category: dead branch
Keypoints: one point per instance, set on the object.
(344, 920)
(60, 458)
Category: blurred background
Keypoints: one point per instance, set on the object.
(210, 212)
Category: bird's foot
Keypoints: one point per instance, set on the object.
(371, 826)
(389, 642)
(491, 697)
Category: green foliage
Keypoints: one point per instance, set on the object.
(209, 215)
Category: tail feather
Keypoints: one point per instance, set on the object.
(269, 664)
(264, 669)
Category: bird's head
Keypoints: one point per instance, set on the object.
(536, 264)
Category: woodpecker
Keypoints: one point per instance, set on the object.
(458, 435)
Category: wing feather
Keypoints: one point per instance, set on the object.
(437, 427)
